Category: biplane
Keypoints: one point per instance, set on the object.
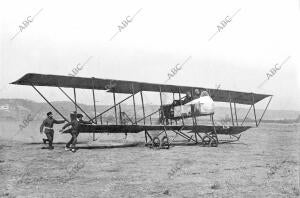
(180, 118)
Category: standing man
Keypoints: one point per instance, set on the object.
(70, 146)
(47, 125)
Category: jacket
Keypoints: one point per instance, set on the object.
(75, 125)
(49, 122)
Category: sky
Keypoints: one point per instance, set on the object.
(250, 46)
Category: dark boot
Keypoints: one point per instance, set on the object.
(50, 145)
(45, 140)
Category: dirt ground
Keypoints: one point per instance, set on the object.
(264, 163)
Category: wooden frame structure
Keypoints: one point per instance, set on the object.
(195, 133)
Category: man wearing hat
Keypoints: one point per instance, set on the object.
(75, 131)
(47, 126)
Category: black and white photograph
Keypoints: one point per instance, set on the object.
(134, 99)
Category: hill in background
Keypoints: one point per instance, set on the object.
(18, 109)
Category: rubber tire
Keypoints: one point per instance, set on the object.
(206, 140)
(165, 142)
(156, 142)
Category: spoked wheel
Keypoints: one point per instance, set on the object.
(155, 142)
(210, 140)
(206, 140)
(165, 142)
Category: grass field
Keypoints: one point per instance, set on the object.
(264, 163)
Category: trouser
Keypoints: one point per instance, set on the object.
(73, 140)
(50, 134)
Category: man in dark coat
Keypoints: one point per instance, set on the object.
(187, 98)
(196, 94)
(75, 131)
(47, 127)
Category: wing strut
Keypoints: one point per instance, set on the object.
(254, 110)
(74, 91)
(115, 107)
(162, 107)
(182, 120)
(133, 100)
(50, 104)
(236, 119)
(246, 115)
(94, 101)
(74, 102)
(265, 110)
(110, 108)
(231, 110)
(148, 116)
(143, 106)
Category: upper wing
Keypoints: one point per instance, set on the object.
(129, 87)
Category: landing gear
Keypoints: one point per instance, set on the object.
(205, 140)
(165, 143)
(160, 143)
(155, 142)
(213, 142)
(210, 140)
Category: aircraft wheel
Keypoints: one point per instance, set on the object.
(206, 140)
(165, 142)
(155, 142)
